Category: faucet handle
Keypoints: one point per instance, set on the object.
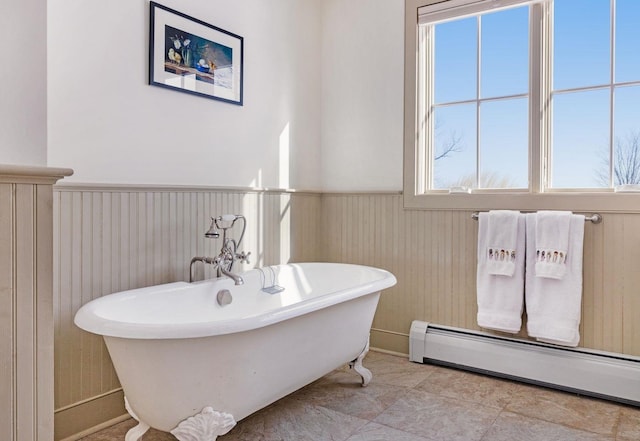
(244, 257)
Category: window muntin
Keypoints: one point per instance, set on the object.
(481, 77)
(587, 96)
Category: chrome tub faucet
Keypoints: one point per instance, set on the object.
(228, 255)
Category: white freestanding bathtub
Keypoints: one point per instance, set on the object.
(193, 367)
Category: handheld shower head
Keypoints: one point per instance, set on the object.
(212, 232)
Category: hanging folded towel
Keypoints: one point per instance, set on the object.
(552, 242)
(500, 298)
(554, 305)
(501, 248)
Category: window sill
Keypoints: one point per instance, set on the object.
(583, 202)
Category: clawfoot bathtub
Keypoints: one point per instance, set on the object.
(195, 358)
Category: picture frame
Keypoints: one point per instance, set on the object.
(195, 57)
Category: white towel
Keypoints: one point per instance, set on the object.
(552, 243)
(500, 298)
(554, 305)
(501, 248)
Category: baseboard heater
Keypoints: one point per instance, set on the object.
(594, 373)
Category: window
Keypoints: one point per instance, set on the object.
(535, 100)
(480, 100)
(596, 77)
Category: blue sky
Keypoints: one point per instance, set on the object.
(581, 122)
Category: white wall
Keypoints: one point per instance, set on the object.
(362, 94)
(23, 82)
(329, 73)
(107, 124)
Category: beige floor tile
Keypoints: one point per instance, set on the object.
(629, 424)
(469, 386)
(396, 371)
(343, 392)
(570, 410)
(413, 402)
(291, 419)
(438, 418)
(514, 427)
(378, 432)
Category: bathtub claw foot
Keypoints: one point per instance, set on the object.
(205, 426)
(357, 366)
(136, 432)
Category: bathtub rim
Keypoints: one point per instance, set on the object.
(87, 319)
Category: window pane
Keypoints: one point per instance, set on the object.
(455, 60)
(580, 146)
(504, 146)
(454, 159)
(581, 43)
(627, 40)
(626, 136)
(505, 52)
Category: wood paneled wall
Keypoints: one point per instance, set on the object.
(25, 312)
(109, 239)
(433, 255)
(26, 302)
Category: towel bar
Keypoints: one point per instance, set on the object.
(595, 218)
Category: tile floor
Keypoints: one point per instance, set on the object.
(412, 402)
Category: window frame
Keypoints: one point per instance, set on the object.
(537, 197)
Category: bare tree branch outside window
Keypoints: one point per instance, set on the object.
(626, 165)
(451, 145)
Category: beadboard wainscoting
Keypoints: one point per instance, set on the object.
(113, 238)
(108, 239)
(26, 299)
(433, 255)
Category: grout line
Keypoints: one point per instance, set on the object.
(485, 433)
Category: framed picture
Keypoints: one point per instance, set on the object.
(192, 56)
